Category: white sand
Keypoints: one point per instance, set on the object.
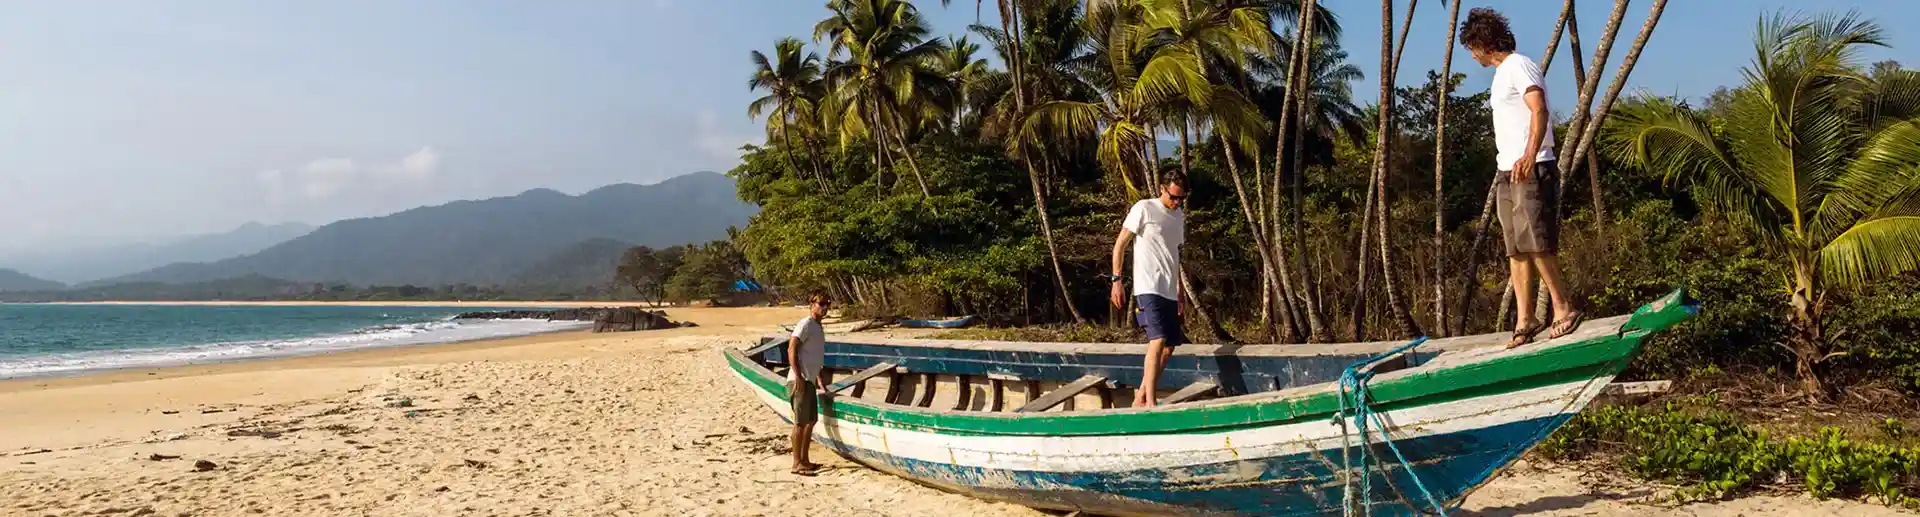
(574, 424)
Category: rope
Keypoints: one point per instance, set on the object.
(1354, 401)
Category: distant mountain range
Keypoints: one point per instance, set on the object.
(11, 280)
(79, 266)
(537, 236)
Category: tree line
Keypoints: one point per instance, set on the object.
(903, 173)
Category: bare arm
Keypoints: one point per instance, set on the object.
(1118, 297)
(1537, 131)
(793, 357)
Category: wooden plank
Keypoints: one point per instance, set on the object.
(1196, 389)
(1054, 398)
(928, 388)
(1621, 389)
(763, 348)
(868, 373)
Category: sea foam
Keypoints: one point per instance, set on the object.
(432, 332)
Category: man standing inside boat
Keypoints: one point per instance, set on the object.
(1156, 227)
(1526, 186)
(806, 350)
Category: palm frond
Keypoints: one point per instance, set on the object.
(1885, 243)
(1889, 97)
(1174, 71)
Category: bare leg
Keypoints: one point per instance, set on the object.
(802, 436)
(1520, 274)
(1157, 353)
(1549, 266)
(1565, 318)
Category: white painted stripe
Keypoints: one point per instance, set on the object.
(1130, 452)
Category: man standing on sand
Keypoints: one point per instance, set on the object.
(1157, 228)
(1526, 187)
(806, 350)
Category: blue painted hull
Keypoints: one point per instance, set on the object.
(1299, 485)
(937, 324)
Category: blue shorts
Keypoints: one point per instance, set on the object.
(1161, 317)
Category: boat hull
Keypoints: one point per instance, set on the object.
(1287, 469)
(1456, 419)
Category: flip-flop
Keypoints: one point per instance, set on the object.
(1523, 335)
(1571, 323)
(804, 472)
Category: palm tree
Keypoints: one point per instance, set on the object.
(792, 81)
(967, 74)
(888, 72)
(1130, 93)
(1816, 160)
(1051, 52)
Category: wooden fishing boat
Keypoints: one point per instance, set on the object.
(1292, 430)
(947, 323)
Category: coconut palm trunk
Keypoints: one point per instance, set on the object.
(1268, 270)
(1397, 306)
(1309, 275)
(1582, 131)
(1439, 178)
(1593, 160)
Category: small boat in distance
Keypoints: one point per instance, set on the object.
(948, 323)
(1294, 430)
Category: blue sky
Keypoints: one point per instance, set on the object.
(136, 119)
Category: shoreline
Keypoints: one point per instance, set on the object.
(376, 303)
(375, 356)
(61, 374)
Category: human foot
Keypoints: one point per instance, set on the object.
(1567, 324)
(1523, 335)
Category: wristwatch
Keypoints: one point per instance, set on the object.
(1115, 278)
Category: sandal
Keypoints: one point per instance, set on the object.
(1523, 335)
(803, 471)
(1569, 323)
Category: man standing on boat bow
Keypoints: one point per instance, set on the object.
(1157, 227)
(1527, 182)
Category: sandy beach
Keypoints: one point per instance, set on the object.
(645, 423)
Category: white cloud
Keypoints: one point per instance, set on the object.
(716, 141)
(417, 167)
(327, 177)
(321, 179)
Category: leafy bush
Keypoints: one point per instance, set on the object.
(1716, 456)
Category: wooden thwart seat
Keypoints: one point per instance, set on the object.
(857, 378)
(1053, 398)
(1192, 391)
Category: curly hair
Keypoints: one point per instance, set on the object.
(1486, 29)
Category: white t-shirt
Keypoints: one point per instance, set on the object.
(813, 348)
(1512, 120)
(1158, 233)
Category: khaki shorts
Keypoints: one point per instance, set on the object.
(806, 402)
(1529, 212)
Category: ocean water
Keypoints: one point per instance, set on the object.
(38, 340)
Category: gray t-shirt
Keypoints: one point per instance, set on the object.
(813, 348)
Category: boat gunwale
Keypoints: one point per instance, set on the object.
(1388, 388)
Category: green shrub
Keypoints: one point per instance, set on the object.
(1715, 456)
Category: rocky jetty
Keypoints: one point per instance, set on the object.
(605, 319)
